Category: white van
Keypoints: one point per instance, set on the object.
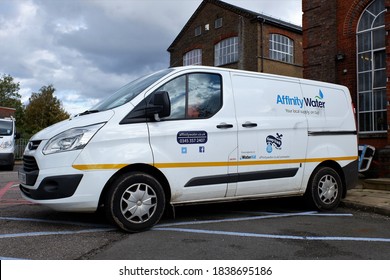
(7, 142)
(195, 135)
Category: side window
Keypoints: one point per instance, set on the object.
(194, 96)
(204, 95)
(177, 94)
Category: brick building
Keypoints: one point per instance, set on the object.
(347, 42)
(7, 112)
(221, 34)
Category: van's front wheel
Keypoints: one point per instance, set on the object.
(135, 202)
(325, 189)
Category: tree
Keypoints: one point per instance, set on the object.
(43, 110)
(10, 97)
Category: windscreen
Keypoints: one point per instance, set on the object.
(129, 91)
(5, 128)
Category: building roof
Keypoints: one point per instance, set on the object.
(240, 11)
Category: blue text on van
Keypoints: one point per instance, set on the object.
(295, 101)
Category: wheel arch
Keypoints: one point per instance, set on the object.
(336, 166)
(142, 168)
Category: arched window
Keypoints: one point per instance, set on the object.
(193, 57)
(226, 51)
(281, 48)
(371, 69)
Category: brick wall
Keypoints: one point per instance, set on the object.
(207, 40)
(247, 29)
(7, 112)
(319, 40)
(278, 67)
(329, 28)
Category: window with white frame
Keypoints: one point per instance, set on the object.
(371, 69)
(281, 48)
(193, 57)
(226, 51)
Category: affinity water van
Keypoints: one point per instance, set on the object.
(7, 142)
(195, 135)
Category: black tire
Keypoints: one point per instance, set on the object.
(135, 202)
(325, 189)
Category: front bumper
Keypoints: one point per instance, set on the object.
(57, 185)
(54, 187)
(6, 158)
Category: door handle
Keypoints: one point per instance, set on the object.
(224, 126)
(249, 124)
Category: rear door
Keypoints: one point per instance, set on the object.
(272, 134)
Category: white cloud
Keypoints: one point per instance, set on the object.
(75, 102)
(67, 26)
(88, 49)
(21, 15)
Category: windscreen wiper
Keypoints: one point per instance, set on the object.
(88, 112)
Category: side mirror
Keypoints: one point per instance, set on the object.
(155, 106)
(159, 106)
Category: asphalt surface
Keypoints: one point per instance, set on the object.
(279, 229)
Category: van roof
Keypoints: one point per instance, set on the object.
(7, 119)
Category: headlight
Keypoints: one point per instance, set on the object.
(72, 139)
(6, 145)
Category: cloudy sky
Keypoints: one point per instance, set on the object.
(89, 48)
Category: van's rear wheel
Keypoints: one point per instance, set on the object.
(325, 189)
(135, 202)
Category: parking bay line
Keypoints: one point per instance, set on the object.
(274, 236)
(97, 228)
(14, 201)
(314, 213)
(6, 188)
(42, 233)
(56, 222)
(168, 227)
(10, 259)
(270, 216)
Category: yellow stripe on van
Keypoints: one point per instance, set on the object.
(98, 166)
(212, 164)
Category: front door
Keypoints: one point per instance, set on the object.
(196, 146)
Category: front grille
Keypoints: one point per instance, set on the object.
(30, 164)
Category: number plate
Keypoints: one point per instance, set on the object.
(22, 177)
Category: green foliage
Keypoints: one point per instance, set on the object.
(43, 110)
(10, 97)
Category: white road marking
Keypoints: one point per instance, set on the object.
(42, 233)
(274, 236)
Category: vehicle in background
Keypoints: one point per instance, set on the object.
(8, 136)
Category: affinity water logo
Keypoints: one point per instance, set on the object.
(316, 102)
(320, 95)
